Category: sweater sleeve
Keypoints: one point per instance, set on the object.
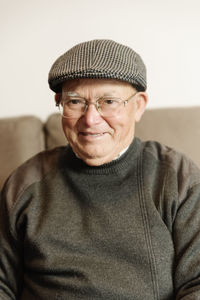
(186, 235)
(11, 253)
(13, 220)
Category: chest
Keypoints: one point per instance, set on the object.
(108, 237)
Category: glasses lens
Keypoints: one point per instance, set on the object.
(109, 106)
(70, 108)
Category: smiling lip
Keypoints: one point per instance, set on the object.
(91, 135)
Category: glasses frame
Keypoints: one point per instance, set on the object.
(87, 103)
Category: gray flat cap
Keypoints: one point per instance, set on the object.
(98, 59)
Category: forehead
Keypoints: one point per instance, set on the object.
(97, 85)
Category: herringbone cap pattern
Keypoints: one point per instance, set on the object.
(98, 59)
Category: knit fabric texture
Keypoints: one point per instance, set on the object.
(99, 59)
(126, 230)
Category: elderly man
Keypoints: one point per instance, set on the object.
(109, 216)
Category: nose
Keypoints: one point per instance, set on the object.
(91, 115)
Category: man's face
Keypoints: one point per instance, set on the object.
(94, 138)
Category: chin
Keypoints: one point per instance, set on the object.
(96, 161)
(92, 151)
(93, 157)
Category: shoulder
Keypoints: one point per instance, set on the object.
(178, 167)
(33, 170)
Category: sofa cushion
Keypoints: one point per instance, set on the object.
(54, 133)
(21, 138)
(178, 128)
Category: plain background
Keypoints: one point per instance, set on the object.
(34, 33)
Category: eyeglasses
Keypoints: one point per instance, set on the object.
(75, 106)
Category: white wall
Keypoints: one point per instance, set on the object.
(34, 33)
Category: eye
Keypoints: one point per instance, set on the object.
(109, 102)
(74, 102)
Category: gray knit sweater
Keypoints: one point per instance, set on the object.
(129, 229)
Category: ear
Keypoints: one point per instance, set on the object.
(141, 102)
(58, 98)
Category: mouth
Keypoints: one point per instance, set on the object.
(91, 136)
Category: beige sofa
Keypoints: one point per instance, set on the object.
(22, 137)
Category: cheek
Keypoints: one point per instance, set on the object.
(122, 124)
(69, 126)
